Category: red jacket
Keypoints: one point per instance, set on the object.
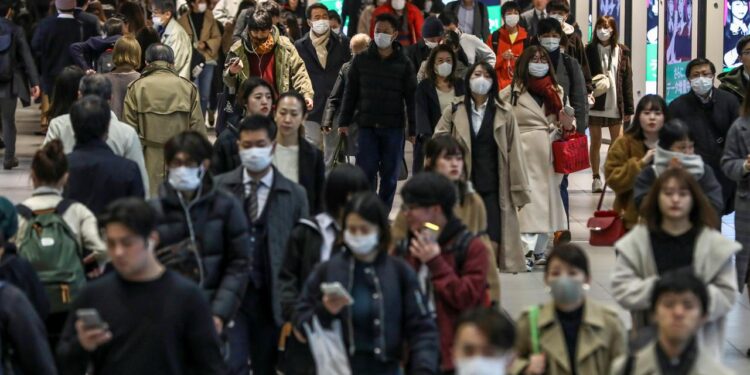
(413, 16)
(503, 67)
(456, 293)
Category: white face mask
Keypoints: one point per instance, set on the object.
(479, 365)
(398, 4)
(361, 244)
(702, 85)
(550, 44)
(512, 20)
(427, 6)
(430, 45)
(604, 34)
(480, 85)
(383, 40)
(256, 159)
(538, 70)
(559, 17)
(444, 69)
(320, 27)
(156, 20)
(336, 30)
(202, 7)
(185, 178)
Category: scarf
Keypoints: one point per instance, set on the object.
(264, 47)
(543, 87)
(320, 43)
(693, 164)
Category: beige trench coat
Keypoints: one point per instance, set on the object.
(160, 105)
(209, 33)
(545, 213)
(514, 187)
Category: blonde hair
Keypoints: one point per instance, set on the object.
(360, 42)
(127, 51)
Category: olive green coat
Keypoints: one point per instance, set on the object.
(601, 339)
(290, 72)
(160, 105)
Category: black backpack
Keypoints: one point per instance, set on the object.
(104, 63)
(7, 52)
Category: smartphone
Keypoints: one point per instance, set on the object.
(232, 61)
(336, 289)
(431, 231)
(91, 319)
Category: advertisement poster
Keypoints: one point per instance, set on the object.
(678, 46)
(736, 25)
(652, 46)
(610, 8)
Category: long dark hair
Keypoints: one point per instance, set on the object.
(133, 15)
(65, 91)
(369, 206)
(431, 75)
(702, 214)
(647, 103)
(494, 89)
(446, 145)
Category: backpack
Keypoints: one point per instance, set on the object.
(104, 63)
(52, 249)
(7, 52)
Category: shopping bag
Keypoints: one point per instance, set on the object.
(327, 347)
(606, 227)
(571, 153)
(340, 153)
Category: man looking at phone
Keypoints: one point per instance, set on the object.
(143, 318)
(450, 261)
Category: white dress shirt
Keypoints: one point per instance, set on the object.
(264, 188)
(477, 115)
(328, 230)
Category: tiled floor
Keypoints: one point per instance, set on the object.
(518, 290)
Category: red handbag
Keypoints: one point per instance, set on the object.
(606, 227)
(571, 153)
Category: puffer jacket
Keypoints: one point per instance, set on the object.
(394, 284)
(290, 72)
(226, 155)
(378, 89)
(734, 82)
(221, 230)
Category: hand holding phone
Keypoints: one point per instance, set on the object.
(91, 329)
(335, 297)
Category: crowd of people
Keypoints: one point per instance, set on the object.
(145, 248)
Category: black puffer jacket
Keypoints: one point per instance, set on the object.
(221, 229)
(378, 89)
(226, 155)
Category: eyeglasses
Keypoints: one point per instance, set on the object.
(702, 75)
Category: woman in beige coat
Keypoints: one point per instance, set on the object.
(537, 103)
(486, 128)
(204, 33)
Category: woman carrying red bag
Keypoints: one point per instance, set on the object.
(537, 102)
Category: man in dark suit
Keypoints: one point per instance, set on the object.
(96, 175)
(530, 18)
(324, 53)
(87, 18)
(273, 205)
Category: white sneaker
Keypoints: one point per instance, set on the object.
(596, 186)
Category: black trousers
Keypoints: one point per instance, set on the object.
(254, 336)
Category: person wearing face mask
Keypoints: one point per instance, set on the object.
(483, 342)
(263, 52)
(474, 48)
(294, 157)
(676, 148)
(380, 87)
(273, 205)
(324, 53)
(204, 33)
(473, 17)
(450, 39)
(173, 35)
(678, 231)
(530, 18)
(576, 334)
(432, 35)
(451, 263)
(612, 74)
(508, 43)
(537, 102)
(680, 305)
(314, 240)
(559, 10)
(485, 126)
(389, 312)
(191, 206)
(435, 94)
(409, 18)
(709, 113)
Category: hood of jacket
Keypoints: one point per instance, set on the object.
(732, 81)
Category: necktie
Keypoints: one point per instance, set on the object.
(252, 200)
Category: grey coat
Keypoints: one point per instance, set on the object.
(25, 74)
(569, 75)
(287, 204)
(736, 149)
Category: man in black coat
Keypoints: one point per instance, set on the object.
(96, 175)
(432, 34)
(381, 89)
(324, 53)
(709, 113)
(87, 18)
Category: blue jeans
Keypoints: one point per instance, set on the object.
(204, 86)
(564, 195)
(380, 152)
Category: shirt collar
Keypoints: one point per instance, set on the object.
(708, 97)
(325, 220)
(66, 15)
(266, 180)
(540, 13)
(46, 190)
(481, 108)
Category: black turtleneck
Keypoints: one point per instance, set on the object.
(571, 322)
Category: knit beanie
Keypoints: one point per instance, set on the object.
(8, 219)
(432, 27)
(65, 5)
